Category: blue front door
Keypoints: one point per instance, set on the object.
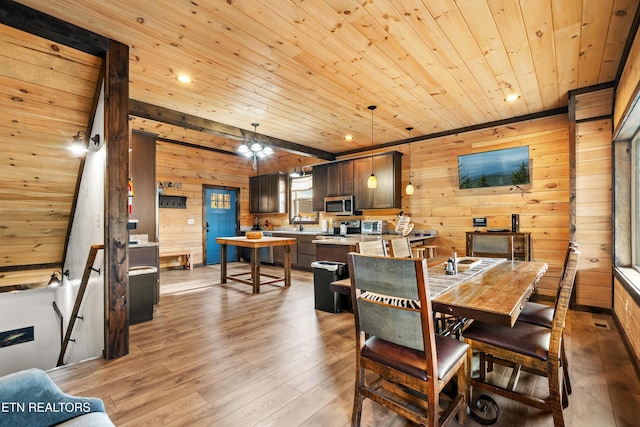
(220, 221)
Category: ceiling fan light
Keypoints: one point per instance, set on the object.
(372, 182)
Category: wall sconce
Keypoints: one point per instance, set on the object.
(79, 146)
(96, 142)
(55, 281)
(297, 172)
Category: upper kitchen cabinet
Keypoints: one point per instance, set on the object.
(387, 168)
(339, 178)
(142, 166)
(319, 186)
(268, 193)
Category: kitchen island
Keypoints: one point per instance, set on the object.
(255, 245)
(336, 248)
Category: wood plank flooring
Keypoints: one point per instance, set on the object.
(221, 356)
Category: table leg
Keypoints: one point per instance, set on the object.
(223, 264)
(255, 270)
(287, 265)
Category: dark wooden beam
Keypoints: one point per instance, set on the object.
(187, 121)
(116, 332)
(32, 21)
(562, 110)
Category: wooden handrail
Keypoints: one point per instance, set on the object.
(76, 307)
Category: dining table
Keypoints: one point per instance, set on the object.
(494, 291)
(255, 245)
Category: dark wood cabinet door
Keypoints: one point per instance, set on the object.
(319, 187)
(362, 195)
(346, 177)
(268, 193)
(387, 170)
(254, 194)
(334, 184)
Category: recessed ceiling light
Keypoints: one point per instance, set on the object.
(512, 98)
(348, 138)
(183, 78)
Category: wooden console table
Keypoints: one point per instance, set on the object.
(255, 245)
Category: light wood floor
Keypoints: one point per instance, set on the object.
(219, 355)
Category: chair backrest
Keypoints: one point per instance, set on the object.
(372, 247)
(562, 303)
(572, 245)
(391, 301)
(492, 245)
(400, 248)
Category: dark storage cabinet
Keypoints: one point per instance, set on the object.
(141, 293)
(350, 177)
(319, 187)
(268, 193)
(521, 242)
(387, 168)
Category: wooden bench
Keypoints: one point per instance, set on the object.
(184, 256)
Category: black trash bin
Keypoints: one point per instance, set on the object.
(325, 272)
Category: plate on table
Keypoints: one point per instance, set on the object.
(467, 263)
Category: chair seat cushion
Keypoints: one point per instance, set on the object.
(414, 362)
(524, 338)
(538, 314)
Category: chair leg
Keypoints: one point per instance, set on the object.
(356, 415)
(554, 393)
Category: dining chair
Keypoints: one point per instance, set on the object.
(542, 315)
(533, 348)
(492, 245)
(372, 247)
(401, 363)
(400, 248)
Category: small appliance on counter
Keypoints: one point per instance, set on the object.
(373, 227)
(256, 223)
(346, 227)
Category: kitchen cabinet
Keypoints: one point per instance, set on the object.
(268, 193)
(339, 178)
(278, 251)
(387, 168)
(306, 251)
(319, 186)
(521, 242)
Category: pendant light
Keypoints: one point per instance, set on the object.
(409, 190)
(372, 182)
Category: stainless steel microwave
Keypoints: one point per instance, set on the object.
(339, 205)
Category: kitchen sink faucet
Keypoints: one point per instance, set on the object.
(293, 220)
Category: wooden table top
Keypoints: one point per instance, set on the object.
(262, 242)
(496, 295)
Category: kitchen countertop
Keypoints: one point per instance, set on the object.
(352, 239)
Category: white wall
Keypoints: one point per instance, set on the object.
(21, 309)
(87, 229)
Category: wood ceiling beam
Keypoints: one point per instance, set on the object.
(187, 121)
(35, 22)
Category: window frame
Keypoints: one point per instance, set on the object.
(292, 202)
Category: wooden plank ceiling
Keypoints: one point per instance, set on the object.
(307, 70)
(304, 70)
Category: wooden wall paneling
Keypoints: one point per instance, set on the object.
(629, 319)
(45, 96)
(116, 334)
(544, 206)
(593, 204)
(627, 92)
